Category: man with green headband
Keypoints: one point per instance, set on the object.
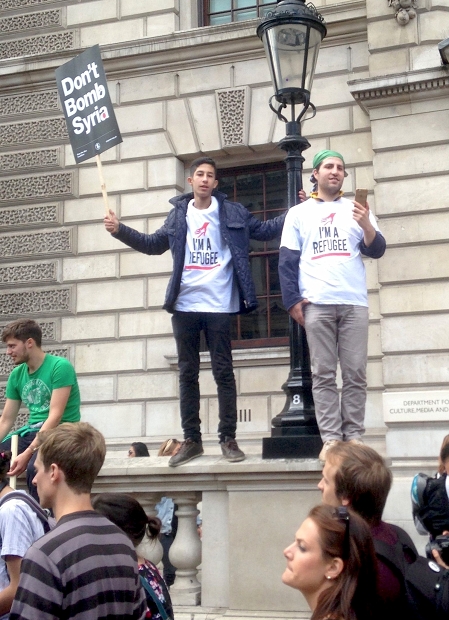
(324, 289)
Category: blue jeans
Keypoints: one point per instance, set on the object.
(187, 327)
(338, 332)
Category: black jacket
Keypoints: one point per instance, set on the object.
(237, 227)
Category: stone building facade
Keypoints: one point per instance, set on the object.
(180, 90)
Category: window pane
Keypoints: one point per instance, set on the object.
(216, 20)
(258, 270)
(215, 6)
(249, 188)
(240, 16)
(254, 325)
(276, 191)
(226, 185)
(243, 4)
(279, 320)
(275, 287)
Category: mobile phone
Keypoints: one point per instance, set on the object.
(361, 195)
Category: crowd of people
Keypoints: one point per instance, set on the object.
(68, 554)
(86, 563)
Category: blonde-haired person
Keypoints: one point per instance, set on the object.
(169, 447)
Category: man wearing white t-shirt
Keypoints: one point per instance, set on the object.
(209, 240)
(324, 289)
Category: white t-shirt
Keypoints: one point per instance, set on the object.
(331, 266)
(20, 527)
(207, 283)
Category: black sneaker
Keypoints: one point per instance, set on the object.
(188, 451)
(231, 450)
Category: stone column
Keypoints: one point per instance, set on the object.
(185, 553)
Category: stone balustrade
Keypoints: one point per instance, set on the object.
(250, 511)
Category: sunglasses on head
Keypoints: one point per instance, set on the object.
(342, 514)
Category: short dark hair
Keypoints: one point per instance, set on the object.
(140, 449)
(5, 459)
(196, 163)
(127, 514)
(78, 449)
(22, 329)
(362, 478)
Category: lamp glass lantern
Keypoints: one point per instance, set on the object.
(292, 35)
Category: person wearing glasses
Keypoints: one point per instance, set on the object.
(333, 564)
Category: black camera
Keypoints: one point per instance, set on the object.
(441, 544)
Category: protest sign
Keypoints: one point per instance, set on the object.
(87, 106)
(88, 110)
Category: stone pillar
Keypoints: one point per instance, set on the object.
(185, 552)
(215, 543)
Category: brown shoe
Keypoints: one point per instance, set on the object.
(231, 450)
(188, 451)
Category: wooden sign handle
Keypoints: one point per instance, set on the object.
(102, 184)
(14, 450)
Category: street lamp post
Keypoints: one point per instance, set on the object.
(292, 34)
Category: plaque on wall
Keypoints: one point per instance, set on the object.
(422, 406)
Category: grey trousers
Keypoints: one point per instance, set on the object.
(338, 332)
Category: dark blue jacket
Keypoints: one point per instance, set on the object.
(237, 227)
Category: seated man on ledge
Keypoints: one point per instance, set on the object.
(46, 384)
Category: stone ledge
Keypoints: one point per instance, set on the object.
(207, 473)
(399, 88)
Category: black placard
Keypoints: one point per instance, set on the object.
(87, 106)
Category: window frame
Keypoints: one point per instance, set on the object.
(270, 341)
(204, 12)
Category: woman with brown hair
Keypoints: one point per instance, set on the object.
(126, 512)
(333, 563)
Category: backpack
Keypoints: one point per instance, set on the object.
(47, 521)
(425, 584)
(430, 503)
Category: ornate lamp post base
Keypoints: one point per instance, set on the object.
(295, 432)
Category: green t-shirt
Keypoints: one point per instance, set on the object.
(35, 389)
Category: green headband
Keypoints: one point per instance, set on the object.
(319, 157)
